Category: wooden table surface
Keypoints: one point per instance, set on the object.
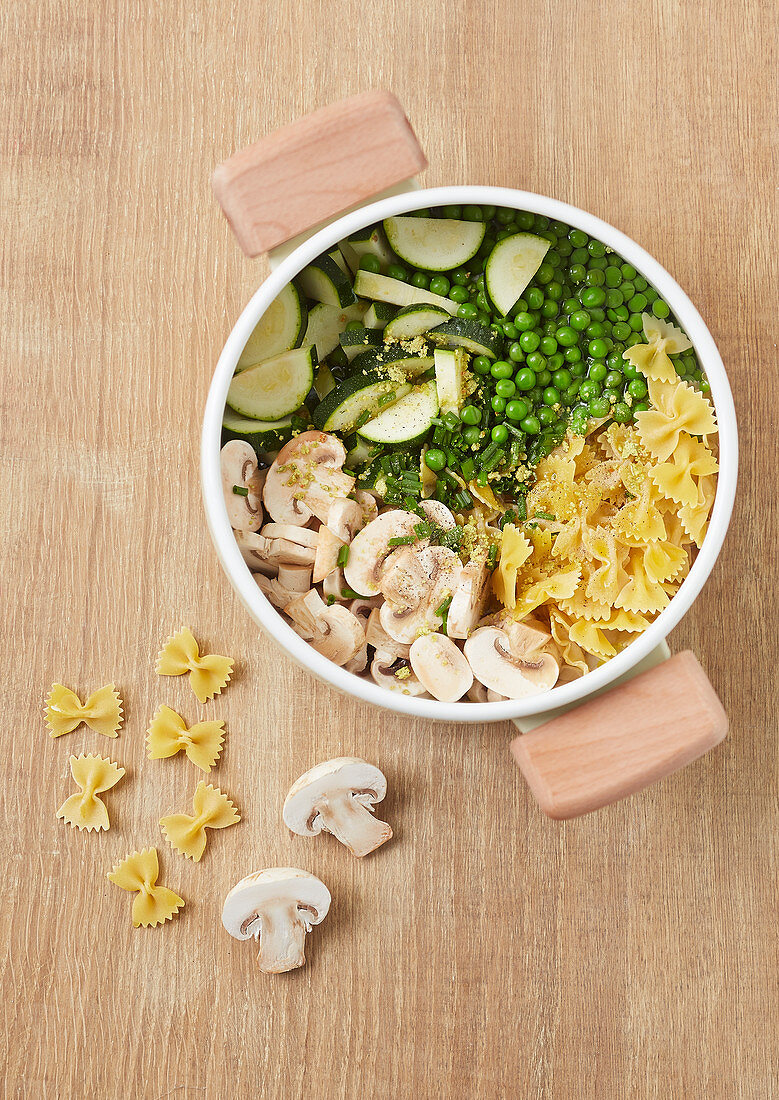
(486, 952)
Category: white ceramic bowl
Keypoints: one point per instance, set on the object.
(271, 621)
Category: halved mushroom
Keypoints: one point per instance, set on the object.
(306, 478)
(438, 513)
(277, 906)
(415, 588)
(328, 548)
(240, 485)
(468, 598)
(396, 674)
(495, 664)
(370, 549)
(338, 797)
(345, 519)
(441, 667)
(332, 631)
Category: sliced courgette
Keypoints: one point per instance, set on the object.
(324, 381)
(359, 453)
(280, 328)
(324, 281)
(326, 323)
(356, 400)
(510, 266)
(406, 421)
(356, 340)
(414, 320)
(434, 244)
(379, 314)
(367, 242)
(450, 375)
(406, 360)
(263, 435)
(380, 288)
(474, 337)
(275, 388)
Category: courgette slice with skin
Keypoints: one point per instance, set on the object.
(474, 337)
(324, 281)
(379, 314)
(263, 435)
(275, 388)
(281, 327)
(450, 373)
(434, 244)
(358, 340)
(380, 288)
(326, 323)
(409, 361)
(510, 266)
(356, 400)
(407, 420)
(414, 321)
(368, 242)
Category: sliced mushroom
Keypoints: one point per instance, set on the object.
(334, 585)
(332, 631)
(438, 513)
(441, 667)
(415, 588)
(295, 578)
(239, 472)
(302, 536)
(385, 646)
(468, 598)
(370, 549)
(306, 478)
(358, 663)
(363, 609)
(253, 551)
(396, 674)
(345, 519)
(494, 663)
(275, 592)
(278, 907)
(328, 548)
(338, 797)
(283, 552)
(367, 502)
(477, 692)
(495, 696)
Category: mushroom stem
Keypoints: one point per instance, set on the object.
(352, 823)
(282, 939)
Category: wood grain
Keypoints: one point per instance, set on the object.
(484, 952)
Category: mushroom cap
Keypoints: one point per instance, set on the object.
(239, 468)
(370, 548)
(343, 775)
(514, 676)
(441, 667)
(414, 587)
(275, 884)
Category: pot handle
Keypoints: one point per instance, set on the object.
(316, 168)
(619, 742)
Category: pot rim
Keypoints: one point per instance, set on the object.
(266, 616)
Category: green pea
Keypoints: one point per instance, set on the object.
(594, 330)
(562, 379)
(580, 256)
(596, 248)
(488, 212)
(579, 320)
(589, 389)
(536, 360)
(554, 291)
(566, 336)
(525, 219)
(554, 362)
(483, 317)
(472, 214)
(637, 388)
(622, 413)
(501, 369)
(579, 419)
(548, 345)
(613, 277)
(451, 212)
(613, 395)
(578, 238)
(397, 271)
(570, 305)
(545, 273)
(460, 277)
(534, 297)
(499, 433)
(628, 290)
(621, 331)
(471, 436)
(540, 221)
(530, 425)
(471, 414)
(614, 378)
(516, 354)
(524, 321)
(705, 386)
(517, 410)
(505, 388)
(597, 371)
(529, 341)
(577, 273)
(467, 310)
(598, 348)
(636, 322)
(640, 407)
(371, 263)
(459, 294)
(546, 416)
(650, 294)
(354, 326)
(511, 332)
(660, 308)
(599, 406)
(628, 271)
(621, 313)
(551, 396)
(435, 460)
(439, 284)
(637, 303)
(543, 377)
(641, 283)
(595, 279)
(636, 338)
(525, 379)
(593, 297)
(503, 215)
(572, 391)
(481, 364)
(482, 302)
(572, 355)
(578, 370)
(549, 309)
(420, 279)
(498, 404)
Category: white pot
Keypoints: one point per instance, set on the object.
(271, 621)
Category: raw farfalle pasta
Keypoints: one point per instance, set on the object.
(663, 341)
(208, 673)
(678, 409)
(94, 775)
(169, 734)
(138, 874)
(213, 810)
(102, 711)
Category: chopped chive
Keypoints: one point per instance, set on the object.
(423, 530)
(349, 594)
(492, 556)
(401, 540)
(467, 469)
(240, 490)
(443, 607)
(343, 554)
(330, 601)
(544, 515)
(385, 400)
(521, 509)
(492, 462)
(363, 418)
(349, 473)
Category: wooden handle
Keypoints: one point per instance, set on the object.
(621, 741)
(315, 168)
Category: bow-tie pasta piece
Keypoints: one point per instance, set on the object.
(94, 775)
(102, 711)
(208, 674)
(138, 874)
(187, 833)
(653, 358)
(169, 734)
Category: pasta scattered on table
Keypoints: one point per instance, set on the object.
(213, 810)
(208, 673)
(94, 775)
(138, 874)
(169, 734)
(102, 711)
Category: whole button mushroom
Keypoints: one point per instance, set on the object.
(338, 797)
(277, 906)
